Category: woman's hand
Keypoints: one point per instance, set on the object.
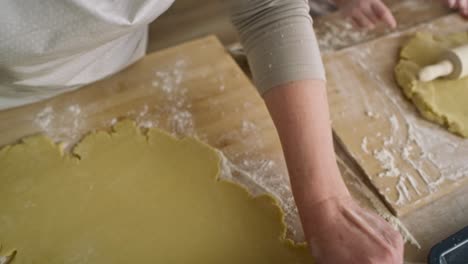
(461, 5)
(338, 230)
(341, 232)
(368, 13)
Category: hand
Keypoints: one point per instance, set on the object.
(461, 5)
(367, 13)
(341, 232)
(338, 231)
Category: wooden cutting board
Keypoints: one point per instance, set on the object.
(410, 161)
(194, 89)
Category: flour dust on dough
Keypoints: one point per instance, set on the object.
(128, 197)
(442, 101)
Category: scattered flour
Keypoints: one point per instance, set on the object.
(387, 162)
(372, 114)
(147, 124)
(113, 121)
(170, 79)
(45, 117)
(394, 123)
(75, 109)
(62, 125)
(181, 122)
(388, 141)
(337, 35)
(248, 126)
(262, 176)
(175, 103)
(145, 118)
(261, 165)
(403, 193)
(437, 156)
(364, 144)
(414, 184)
(405, 154)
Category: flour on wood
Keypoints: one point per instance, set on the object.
(364, 145)
(61, 124)
(437, 156)
(170, 81)
(387, 161)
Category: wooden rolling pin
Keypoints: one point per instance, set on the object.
(454, 65)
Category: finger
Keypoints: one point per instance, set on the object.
(401, 250)
(384, 14)
(361, 20)
(451, 3)
(360, 223)
(398, 249)
(388, 233)
(369, 13)
(378, 231)
(459, 4)
(463, 6)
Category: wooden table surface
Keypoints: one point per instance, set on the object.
(194, 20)
(390, 140)
(194, 89)
(228, 113)
(333, 33)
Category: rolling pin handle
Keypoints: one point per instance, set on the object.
(435, 71)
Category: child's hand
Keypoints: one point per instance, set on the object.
(461, 5)
(368, 13)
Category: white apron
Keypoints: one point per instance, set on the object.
(52, 46)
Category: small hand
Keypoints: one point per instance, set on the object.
(367, 13)
(461, 5)
(341, 232)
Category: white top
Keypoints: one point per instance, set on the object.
(52, 46)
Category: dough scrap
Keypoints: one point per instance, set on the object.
(442, 101)
(128, 197)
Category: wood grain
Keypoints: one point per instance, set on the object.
(334, 32)
(377, 125)
(194, 89)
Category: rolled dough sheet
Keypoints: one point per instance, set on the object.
(442, 101)
(128, 197)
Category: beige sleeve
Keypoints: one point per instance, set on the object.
(279, 40)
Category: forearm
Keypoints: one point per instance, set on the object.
(285, 61)
(279, 41)
(301, 116)
(282, 50)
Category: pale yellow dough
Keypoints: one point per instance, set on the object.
(128, 197)
(442, 101)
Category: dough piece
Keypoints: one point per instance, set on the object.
(442, 101)
(126, 197)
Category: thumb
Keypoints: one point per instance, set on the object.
(382, 12)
